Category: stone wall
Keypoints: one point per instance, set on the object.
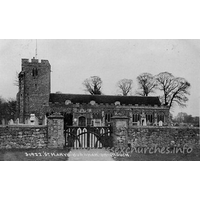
(163, 136)
(28, 136)
(23, 137)
(51, 136)
(56, 131)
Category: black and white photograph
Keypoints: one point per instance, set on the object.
(99, 99)
(109, 100)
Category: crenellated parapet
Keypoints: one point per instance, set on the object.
(26, 61)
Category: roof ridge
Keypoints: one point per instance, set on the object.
(103, 95)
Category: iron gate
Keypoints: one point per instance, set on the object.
(88, 137)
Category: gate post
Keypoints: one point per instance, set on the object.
(55, 125)
(120, 131)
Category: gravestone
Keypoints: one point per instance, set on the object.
(45, 120)
(17, 121)
(143, 119)
(160, 123)
(11, 122)
(32, 119)
(27, 121)
(3, 122)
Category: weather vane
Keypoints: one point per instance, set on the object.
(36, 50)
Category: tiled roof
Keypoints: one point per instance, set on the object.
(84, 98)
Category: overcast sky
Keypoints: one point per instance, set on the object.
(73, 61)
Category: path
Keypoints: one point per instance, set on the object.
(90, 155)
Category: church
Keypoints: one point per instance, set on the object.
(35, 99)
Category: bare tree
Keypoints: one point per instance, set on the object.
(125, 86)
(178, 95)
(7, 109)
(93, 85)
(175, 89)
(16, 81)
(165, 81)
(147, 84)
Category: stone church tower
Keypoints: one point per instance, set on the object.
(34, 89)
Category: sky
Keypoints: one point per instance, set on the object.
(72, 61)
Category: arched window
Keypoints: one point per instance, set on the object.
(108, 117)
(161, 117)
(136, 117)
(82, 121)
(117, 103)
(92, 103)
(67, 102)
(149, 117)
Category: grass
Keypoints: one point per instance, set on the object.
(34, 155)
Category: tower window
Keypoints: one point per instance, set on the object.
(34, 72)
